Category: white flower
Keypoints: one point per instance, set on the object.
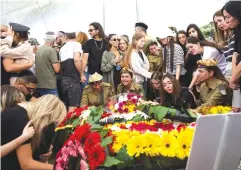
(116, 106)
(121, 99)
(85, 114)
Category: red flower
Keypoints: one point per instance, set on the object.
(105, 114)
(164, 127)
(78, 111)
(96, 156)
(92, 140)
(81, 132)
(126, 110)
(123, 126)
(180, 127)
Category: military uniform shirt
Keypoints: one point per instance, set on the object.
(92, 98)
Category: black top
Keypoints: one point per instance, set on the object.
(46, 141)
(5, 76)
(69, 70)
(191, 66)
(13, 122)
(95, 50)
(186, 100)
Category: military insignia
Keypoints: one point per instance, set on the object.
(222, 90)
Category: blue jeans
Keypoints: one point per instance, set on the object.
(86, 82)
(43, 91)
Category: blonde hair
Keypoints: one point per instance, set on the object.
(81, 38)
(10, 96)
(220, 35)
(135, 38)
(44, 111)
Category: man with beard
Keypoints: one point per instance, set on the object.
(19, 58)
(93, 50)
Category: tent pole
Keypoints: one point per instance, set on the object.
(104, 15)
(137, 12)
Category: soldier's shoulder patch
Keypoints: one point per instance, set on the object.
(222, 89)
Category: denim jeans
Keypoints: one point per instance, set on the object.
(86, 82)
(43, 91)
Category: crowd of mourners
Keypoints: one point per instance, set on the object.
(178, 69)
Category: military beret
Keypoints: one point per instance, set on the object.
(141, 24)
(19, 27)
(95, 77)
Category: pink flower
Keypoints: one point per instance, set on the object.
(81, 152)
(121, 104)
(83, 165)
(65, 153)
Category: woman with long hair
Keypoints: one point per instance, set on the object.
(112, 61)
(14, 119)
(155, 86)
(45, 113)
(195, 46)
(124, 43)
(232, 15)
(214, 88)
(138, 62)
(191, 60)
(82, 38)
(173, 62)
(224, 37)
(181, 40)
(172, 95)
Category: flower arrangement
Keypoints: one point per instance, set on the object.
(83, 145)
(152, 139)
(216, 110)
(125, 103)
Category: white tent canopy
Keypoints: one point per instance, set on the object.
(116, 16)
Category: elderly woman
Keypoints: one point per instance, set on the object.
(127, 85)
(96, 93)
(214, 89)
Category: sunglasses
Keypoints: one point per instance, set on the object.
(30, 90)
(90, 30)
(96, 83)
(115, 39)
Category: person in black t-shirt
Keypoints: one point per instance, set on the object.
(14, 119)
(93, 50)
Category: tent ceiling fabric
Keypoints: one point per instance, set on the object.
(117, 16)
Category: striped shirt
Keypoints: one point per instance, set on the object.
(178, 59)
(228, 50)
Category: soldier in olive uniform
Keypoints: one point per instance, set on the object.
(214, 89)
(96, 93)
(155, 57)
(127, 85)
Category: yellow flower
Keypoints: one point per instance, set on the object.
(135, 146)
(184, 142)
(168, 144)
(121, 140)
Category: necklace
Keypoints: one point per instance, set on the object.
(101, 45)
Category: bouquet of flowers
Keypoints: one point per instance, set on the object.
(125, 103)
(216, 110)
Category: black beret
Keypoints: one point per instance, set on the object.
(141, 24)
(19, 27)
(233, 8)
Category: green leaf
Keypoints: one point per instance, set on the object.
(96, 127)
(137, 118)
(125, 158)
(106, 141)
(172, 111)
(146, 161)
(103, 132)
(76, 122)
(90, 120)
(111, 161)
(192, 114)
(160, 112)
(141, 107)
(152, 109)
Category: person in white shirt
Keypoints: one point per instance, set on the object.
(195, 46)
(138, 61)
(70, 57)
